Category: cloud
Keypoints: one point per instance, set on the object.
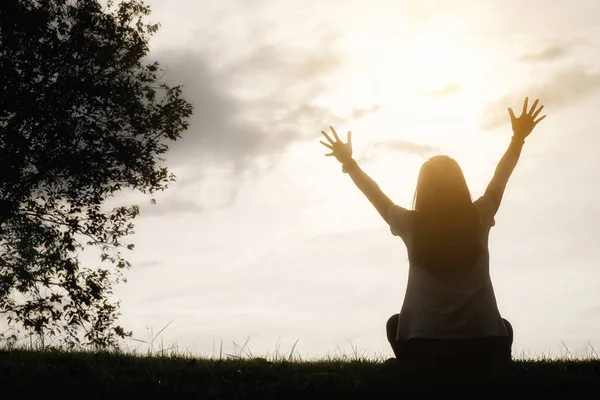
(563, 87)
(258, 106)
(401, 146)
(407, 147)
(215, 131)
(277, 63)
(254, 95)
(359, 113)
(147, 264)
(173, 205)
(421, 11)
(445, 91)
(550, 53)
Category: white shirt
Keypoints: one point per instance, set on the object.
(464, 307)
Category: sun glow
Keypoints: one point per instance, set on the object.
(425, 84)
(416, 81)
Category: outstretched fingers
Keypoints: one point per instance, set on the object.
(328, 137)
(334, 133)
(535, 103)
(336, 144)
(523, 125)
(330, 147)
(534, 115)
(539, 119)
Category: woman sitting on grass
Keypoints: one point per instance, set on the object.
(449, 309)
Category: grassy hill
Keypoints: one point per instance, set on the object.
(90, 375)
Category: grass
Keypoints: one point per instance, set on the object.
(33, 370)
(115, 375)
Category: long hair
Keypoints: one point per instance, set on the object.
(446, 238)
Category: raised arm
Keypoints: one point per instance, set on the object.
(521, 127)
(343, 153)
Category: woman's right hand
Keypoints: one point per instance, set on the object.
(341, 151)
(523, 125)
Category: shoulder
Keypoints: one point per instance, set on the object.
(400, 220)
(486, 208)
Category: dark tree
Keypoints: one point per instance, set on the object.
(82, 116)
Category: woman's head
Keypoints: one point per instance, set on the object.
(446, 238)
(441, 187)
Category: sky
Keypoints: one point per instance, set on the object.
(264, 241)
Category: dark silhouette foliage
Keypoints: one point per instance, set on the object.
(82, 116)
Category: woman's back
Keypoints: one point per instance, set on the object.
(456, 303)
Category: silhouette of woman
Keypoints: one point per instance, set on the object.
(449, 310)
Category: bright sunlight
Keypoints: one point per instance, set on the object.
(423, 83)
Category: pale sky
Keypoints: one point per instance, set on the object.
(263, 237)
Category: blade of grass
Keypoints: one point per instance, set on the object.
(293, 348)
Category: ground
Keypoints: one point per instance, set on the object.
(60, 374)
